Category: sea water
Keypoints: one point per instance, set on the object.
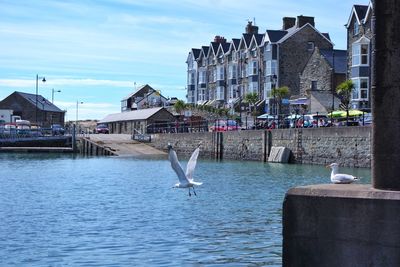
(65, 210)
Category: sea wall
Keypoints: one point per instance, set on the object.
(348, 146)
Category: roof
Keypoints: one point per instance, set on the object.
(258, 38)
(140, 91)
(360, 11)
(42, 103)
(292, 31)
(196, 52)
(135, 115)
(275, 35)
(236, 42)
(225, 47)
(247, 38)
(340, 58)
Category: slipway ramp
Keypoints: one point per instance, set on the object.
(123, 145)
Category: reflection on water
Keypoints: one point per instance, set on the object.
(61, 210)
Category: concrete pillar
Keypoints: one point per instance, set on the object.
(386, 96)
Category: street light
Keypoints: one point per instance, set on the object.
(52, 94)
(37, 85)
(77, 103)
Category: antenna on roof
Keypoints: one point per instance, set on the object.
(254, 21)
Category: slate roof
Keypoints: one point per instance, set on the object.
(225, 47)
(196, 53)
(275, 35)
(326, 35)
(259, 38)
(140, 91)
(141, 114)
(205, 50)
(340, 59)
(361, 10)
(214, 46)
(247, 38)
(42, 103)
(236, 42)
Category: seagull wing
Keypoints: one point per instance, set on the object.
(176, 166)
(192, 164)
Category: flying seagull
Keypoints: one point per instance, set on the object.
(185, 180)
(339, 178)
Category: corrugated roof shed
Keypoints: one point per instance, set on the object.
(135, 115)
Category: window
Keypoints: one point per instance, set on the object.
(220, 73)
(267, 90)
(220, 93)
(271, 67)
(360, 54)
(233, 93)
(254, 52)
(253, 68)
(232, 71)
(361, 89)
(310, 46)
(202, 95)
(202, 76)
(314, 85)
(192, 77)
(253, 87)
(356, 28)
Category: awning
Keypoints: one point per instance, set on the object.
(300, 101)
(210, 103)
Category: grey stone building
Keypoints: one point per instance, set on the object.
(138, 121)
(255, 63)
(359, 36)
(144, 97)
(324, 71)
(34, 108)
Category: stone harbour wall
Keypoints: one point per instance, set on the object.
(348, 146)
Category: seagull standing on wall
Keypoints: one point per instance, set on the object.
(339, 178)
(185, 180)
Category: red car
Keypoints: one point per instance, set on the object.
(102, 128)
(224, 125)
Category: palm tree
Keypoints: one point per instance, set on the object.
(251, 99)
(179, 106)
(280, 93)
(345, 89)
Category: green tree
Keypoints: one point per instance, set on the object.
(344, 90)
(279, 94)
(179, 106)
(251, 99)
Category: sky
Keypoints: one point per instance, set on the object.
(99, 51)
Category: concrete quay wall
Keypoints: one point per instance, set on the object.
(341, 225)
(348, 146)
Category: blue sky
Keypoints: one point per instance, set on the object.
(94, 51)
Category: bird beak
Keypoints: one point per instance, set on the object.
(327, 166)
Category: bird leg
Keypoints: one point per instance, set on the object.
(194, 191)
(189, 193)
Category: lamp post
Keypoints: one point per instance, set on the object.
(37, 90)
(52, 94)
(77, 104)
(333, 83)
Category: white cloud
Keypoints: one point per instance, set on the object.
(65, 82)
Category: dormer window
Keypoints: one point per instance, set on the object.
(356, 28)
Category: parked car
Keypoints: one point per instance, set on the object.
(224, 125)
(102, 128)
(57, 129)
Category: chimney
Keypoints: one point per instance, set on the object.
(288, 22)
(251, 29)
(219, 39)
(303, 20)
